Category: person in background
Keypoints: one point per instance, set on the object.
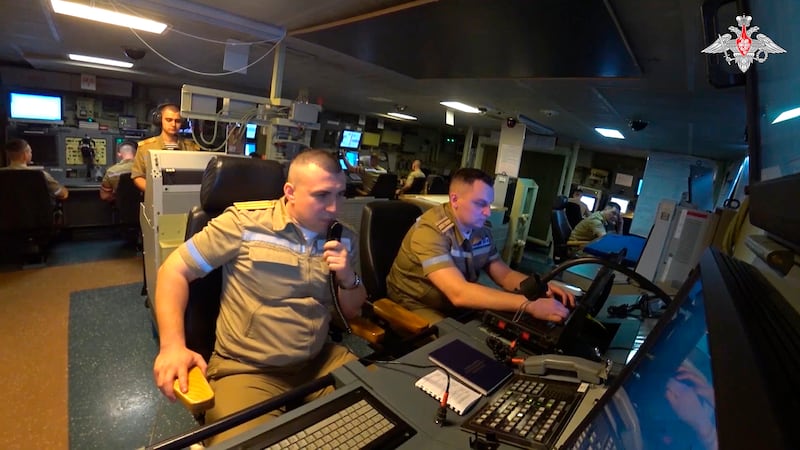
(276, 302)
(436, 269)
(416, 172)
(19, 155)
(576, 198)
(598, 224)
(371, 173)
(125, 154)
(168, 140)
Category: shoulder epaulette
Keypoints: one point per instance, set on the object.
(254, 205)
(148, 140)
(444, 224)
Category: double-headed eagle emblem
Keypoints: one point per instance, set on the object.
(740, 47)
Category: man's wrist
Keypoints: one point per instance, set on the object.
(354, 283)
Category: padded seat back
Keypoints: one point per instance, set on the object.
(573, 211)
(226, 180)
(385, 186)
(560, 229)
(383, 226)
(128, 198)
(436, 185)
(26, 212)
(417, 186)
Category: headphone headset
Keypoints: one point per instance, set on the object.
(155, 115)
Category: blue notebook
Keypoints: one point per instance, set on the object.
(472, 367)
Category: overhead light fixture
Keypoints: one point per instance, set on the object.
(461, 107)
(398, 115)
(787, 115)
(101, 61)
(107, 16)
(610, 133)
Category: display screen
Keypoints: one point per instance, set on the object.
(589, 201)
(249, 148)
(352, 158)
(350, 139)
(251, 131)
(35, 108)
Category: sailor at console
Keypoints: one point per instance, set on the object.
(436, 269)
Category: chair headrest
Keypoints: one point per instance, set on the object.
(229, 179)
(560, 202)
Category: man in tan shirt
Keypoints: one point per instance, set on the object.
(168, 140)
(275, 307)
(19, 155)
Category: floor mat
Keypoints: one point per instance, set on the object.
(113, 401)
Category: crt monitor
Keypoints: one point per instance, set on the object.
(589, 200)
(350, 139)
(621, 201)
(35, 108)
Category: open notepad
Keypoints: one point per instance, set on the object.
(460, 399)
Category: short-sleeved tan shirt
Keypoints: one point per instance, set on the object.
(275, 304)
(589, 228)
(433, 243)
(53, 186)
(155, 143)
(111, 177)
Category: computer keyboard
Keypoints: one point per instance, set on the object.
(529, 412)
(355, 420)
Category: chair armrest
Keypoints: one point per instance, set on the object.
(398, 317)
(366, 330)
(578, 243)
(199, 397)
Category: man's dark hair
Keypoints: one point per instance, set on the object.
(16, 145)
(469, 175)
(614, 205)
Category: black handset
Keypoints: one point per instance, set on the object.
(335, 234)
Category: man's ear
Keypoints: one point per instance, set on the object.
(453, 198)
(288, 191)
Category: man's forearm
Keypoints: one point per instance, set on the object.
(477, 296)
(172, 293)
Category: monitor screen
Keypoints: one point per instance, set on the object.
(249, 148)
(44, 148)
(350, 139)
(251, 131)
(352, 157)
(622, 202)
(36, 108)
(639, 187)
(589, 201)
(342, 164)
(666, 397)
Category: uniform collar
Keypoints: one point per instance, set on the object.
(448, 210)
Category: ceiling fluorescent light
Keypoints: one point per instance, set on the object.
(610, 133)
(101, 61)
(787, 115)
(107, 16)
(398, 115)
(461, 107)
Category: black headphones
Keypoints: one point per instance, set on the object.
(155, 115)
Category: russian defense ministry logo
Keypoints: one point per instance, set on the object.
(740, 47)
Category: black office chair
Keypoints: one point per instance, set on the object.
(27, 227)
(416, 186)
(226, 180)
(436, 185)
(126, 203)
(563, 248)
(383, 226)
(573, 211)
(385, 186)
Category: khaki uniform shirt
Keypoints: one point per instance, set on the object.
(53, 186)
(589, 228)
(155, 143)
(275, 304)
(412, 176)
(111, 178)
(433, 243)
